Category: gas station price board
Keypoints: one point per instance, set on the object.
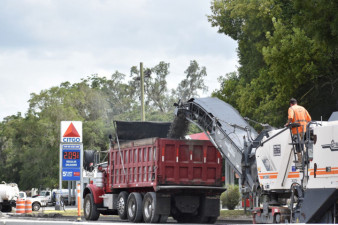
(71, 164)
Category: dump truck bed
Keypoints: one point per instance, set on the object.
(157, 162)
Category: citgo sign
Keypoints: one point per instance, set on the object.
(71, 131)
(71, 151)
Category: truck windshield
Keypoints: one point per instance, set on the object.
(44, 193)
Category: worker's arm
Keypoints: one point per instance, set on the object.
(308, 117)
(290, 116)
(287, 123)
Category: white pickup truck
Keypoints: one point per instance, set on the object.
(38, 201)
(46, 198)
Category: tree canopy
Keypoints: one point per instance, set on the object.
(286, 48)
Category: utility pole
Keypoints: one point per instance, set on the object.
(142, 92)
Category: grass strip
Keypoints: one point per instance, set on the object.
(234, 214)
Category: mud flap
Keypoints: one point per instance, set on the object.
(210, 206)
(163, 201)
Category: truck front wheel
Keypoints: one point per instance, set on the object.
(121, 205)
(36, 206)
(90, 209)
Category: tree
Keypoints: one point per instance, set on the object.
(30, 144)
(246, 22)
(156, 89)
(158, 99)
(193, 83)
(281, 56)
(228, 88)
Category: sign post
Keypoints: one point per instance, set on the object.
(71, 156)
(78, 202)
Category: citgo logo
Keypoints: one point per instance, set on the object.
(71, 134)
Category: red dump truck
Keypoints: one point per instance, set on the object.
(151, 179)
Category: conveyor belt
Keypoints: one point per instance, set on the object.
(223, 124)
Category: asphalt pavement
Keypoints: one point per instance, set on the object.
(44, 216)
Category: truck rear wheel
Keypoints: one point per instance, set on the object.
(90, 209)
(134, 207)
(122, 205)
(149, 208)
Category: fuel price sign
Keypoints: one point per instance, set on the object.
(71, 155)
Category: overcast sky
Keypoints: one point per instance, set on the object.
(46, 42)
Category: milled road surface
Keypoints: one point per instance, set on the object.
(16, 221)
(13, 219)
(103, 220)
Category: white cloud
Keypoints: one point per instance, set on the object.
(45, 42)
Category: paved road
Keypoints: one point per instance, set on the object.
(16, 221)
(13, 219)
(102, 220)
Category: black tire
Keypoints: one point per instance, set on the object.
(149, 208)
(6, 208)
(277, 218)
(36, 206)
(90, 209)
(88, 159)
(134, 207)
(121, 205)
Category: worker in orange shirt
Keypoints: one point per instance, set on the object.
(298, 114)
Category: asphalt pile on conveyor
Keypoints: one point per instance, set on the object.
(179, 127)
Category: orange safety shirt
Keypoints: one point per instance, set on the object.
(299, 114)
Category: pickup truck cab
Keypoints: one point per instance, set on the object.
(38, 201)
